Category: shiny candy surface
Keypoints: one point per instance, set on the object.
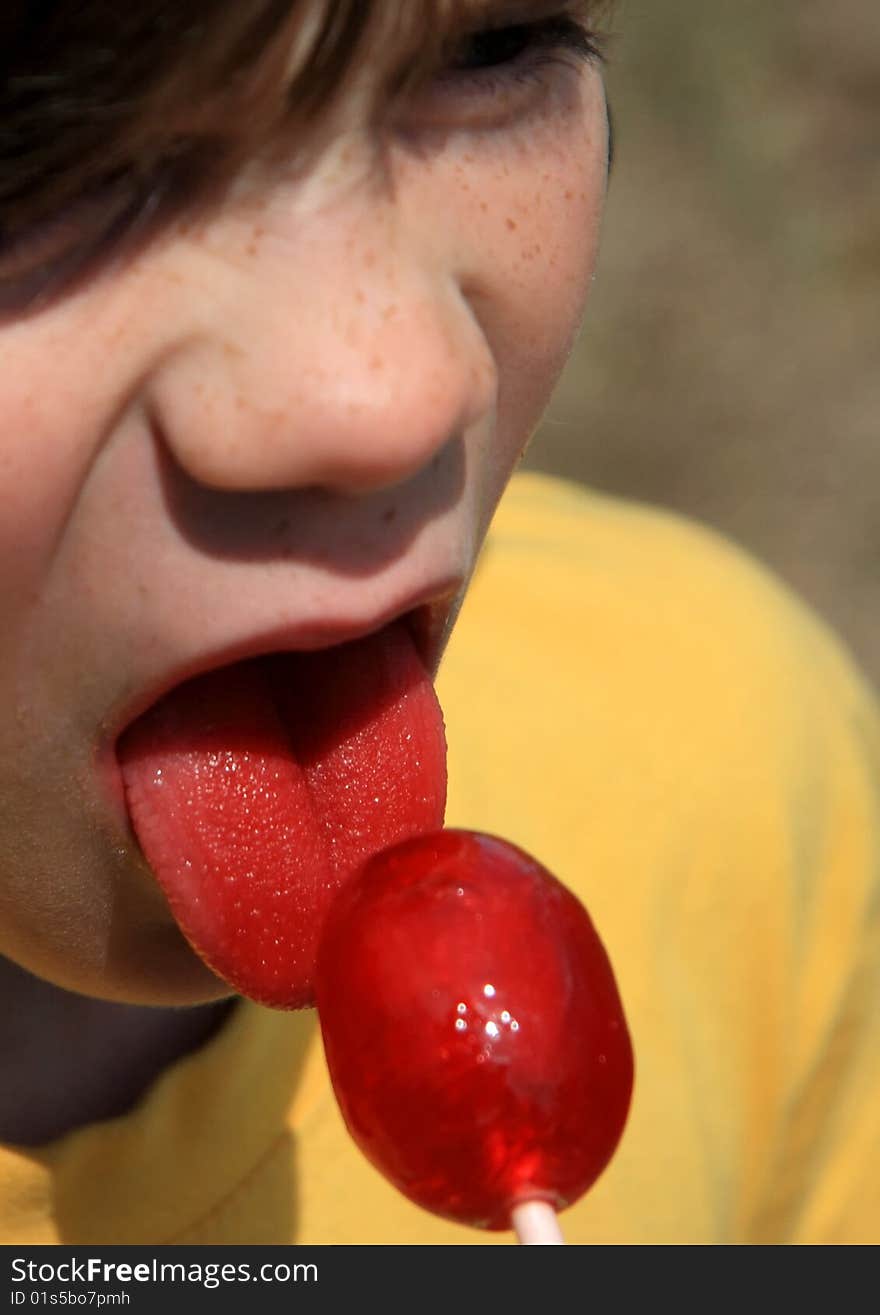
(473, 1028)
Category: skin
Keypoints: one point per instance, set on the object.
(275, 427)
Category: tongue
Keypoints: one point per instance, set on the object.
(256, 790)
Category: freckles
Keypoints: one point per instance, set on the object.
(546, 249)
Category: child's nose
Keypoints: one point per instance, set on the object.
(340, 366)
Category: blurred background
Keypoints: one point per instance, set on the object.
(728, 366)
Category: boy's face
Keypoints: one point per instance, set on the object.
(276, 427)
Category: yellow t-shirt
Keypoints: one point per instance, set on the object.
(661, 724)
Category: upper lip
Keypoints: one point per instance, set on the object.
(428, 614)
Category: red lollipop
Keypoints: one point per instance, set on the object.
(473, 1030)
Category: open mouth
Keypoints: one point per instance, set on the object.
(255, 789)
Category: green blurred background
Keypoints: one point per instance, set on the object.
(728, 366)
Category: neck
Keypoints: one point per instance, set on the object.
(68, 1060)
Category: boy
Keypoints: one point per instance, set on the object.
(284, 293)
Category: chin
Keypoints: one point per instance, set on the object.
(162, 970)
(133, 968)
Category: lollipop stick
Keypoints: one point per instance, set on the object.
(535, 1223)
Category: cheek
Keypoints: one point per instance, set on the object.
(529, 213)
(61, 385)
(547, 255)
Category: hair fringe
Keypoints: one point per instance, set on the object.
(93, 89)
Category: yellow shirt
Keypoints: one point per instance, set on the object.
(662, 725)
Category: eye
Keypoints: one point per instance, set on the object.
(494, 74)
(500, 47)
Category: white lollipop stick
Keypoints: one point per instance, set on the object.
(535, 1223)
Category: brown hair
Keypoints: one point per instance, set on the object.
(95, 88)
(92, 88)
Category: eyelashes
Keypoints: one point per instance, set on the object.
(504, 50)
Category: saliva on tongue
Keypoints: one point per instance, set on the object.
(257, 789)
